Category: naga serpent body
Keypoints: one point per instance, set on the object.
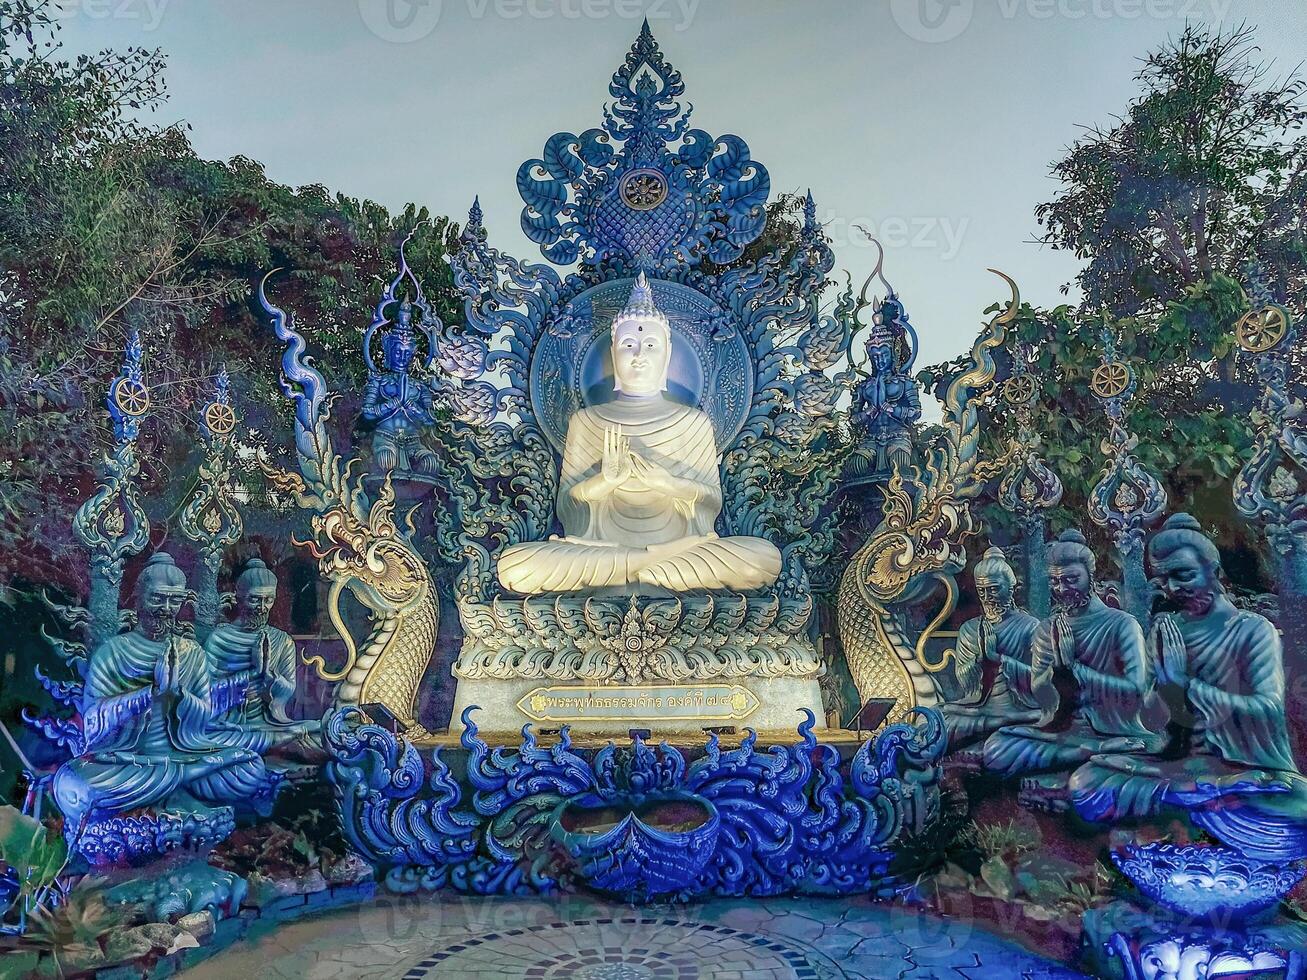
(360, 549)
(919, 545)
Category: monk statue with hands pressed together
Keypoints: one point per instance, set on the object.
(1227, 759)
(261, 658)
(640, 489)
(993, 659)
(1090, 677)
(148, 722)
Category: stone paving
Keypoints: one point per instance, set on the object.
(582, 938)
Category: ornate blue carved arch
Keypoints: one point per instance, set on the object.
(668, 198)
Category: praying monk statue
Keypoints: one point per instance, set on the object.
(640, 488)
(993, 658)
(263, 658)
(1089, 676)
(1228, 760)
(150, 736)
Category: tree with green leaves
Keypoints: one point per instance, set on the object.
(1190, 203)
(109, 224)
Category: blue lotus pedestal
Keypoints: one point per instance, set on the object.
(1204, 911)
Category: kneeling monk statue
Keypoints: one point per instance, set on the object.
(150, 734)
(640, 488)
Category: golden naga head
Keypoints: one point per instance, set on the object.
(373, 559)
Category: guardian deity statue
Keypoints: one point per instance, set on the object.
(640, 489)
(263, 659)
(993, 658)
(887, 405)
(1222, 669)
(148, 717)
(1090, 677)
(398, 405)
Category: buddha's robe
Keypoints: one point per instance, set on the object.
(996, 684)
(1104, 658)
(143, 745)
(235, 656)
(1239, 776)
(638, 534)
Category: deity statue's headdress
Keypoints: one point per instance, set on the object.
(882, 334)
(400, 338)
(994, 565)
(257, 575)
(1183, 531)
(642, 309)
(402, 332)
(1071, 548)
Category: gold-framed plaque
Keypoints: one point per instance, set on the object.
(573, 704)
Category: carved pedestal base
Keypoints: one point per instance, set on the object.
(613, 663)
(148, 834)
(763, 704)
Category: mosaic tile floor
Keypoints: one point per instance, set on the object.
(577, 938)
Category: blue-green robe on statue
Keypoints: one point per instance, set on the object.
(1113, 693)
(143, 746)
(1239, 780)
(995, 685)
(263, 714)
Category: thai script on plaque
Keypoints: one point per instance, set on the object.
(705, 702)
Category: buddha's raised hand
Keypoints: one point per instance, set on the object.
(617, 466)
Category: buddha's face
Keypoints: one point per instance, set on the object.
(160, 602)
(254, 606)
(1070, 585)
(882, 359)
(641, 354)
(1188, 583)
(995, 594)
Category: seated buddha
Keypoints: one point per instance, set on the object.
(640, 490)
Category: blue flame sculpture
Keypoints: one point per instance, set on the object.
(638, 822)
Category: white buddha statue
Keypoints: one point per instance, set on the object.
(640, 489)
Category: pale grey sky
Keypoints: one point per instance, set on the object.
(932, 122)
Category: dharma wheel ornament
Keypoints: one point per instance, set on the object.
(1030, 488)
(1260, 331)
(112, 524)
(1127, 499)
(210, 518)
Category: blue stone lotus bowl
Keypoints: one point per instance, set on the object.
(638, 846)
(1206, 881)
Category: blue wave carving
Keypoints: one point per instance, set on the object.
(636, 821)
